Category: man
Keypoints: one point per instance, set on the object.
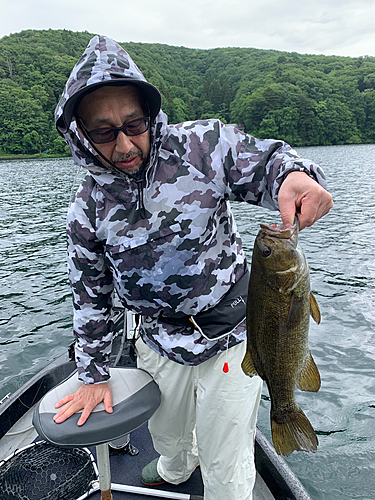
(152, 221)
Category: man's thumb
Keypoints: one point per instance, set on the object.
(288, 214)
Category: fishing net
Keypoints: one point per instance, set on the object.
(44, 472)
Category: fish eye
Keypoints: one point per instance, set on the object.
(266, 251)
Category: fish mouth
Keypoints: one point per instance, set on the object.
(281, 231)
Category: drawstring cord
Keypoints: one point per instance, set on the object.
(226, 365)
(197, 327)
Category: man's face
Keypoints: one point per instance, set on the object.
(113, 107)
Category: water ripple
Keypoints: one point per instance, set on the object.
(35, 318)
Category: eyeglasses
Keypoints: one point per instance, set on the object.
(109, 134)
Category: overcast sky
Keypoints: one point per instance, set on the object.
(340, 27)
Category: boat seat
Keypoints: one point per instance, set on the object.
(136, 397)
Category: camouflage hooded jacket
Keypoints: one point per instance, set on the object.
(167, 243)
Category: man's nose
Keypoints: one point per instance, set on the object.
(123, 143)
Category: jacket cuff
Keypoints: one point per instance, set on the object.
(311, 169)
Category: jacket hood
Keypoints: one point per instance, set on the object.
(104, 62)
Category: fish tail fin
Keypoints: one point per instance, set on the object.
(309, 377)
(247, 365)
(292, 431)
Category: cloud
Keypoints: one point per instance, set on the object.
(345, 27)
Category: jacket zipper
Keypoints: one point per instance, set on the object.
(141, 205)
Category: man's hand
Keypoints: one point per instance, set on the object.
(86, 398)
(299, 194)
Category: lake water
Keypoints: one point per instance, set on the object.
(36, 315)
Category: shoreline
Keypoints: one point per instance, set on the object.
(32, 157)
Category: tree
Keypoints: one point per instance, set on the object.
(21, 115)
(31, 142)
(303, 99)
(179, 111)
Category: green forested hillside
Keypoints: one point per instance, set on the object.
(303, 99)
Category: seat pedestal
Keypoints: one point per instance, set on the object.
(135, 398)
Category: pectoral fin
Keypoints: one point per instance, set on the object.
(309, 378)
(314, 309)
(248, 365)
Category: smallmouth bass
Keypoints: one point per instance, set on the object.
(278, 311)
